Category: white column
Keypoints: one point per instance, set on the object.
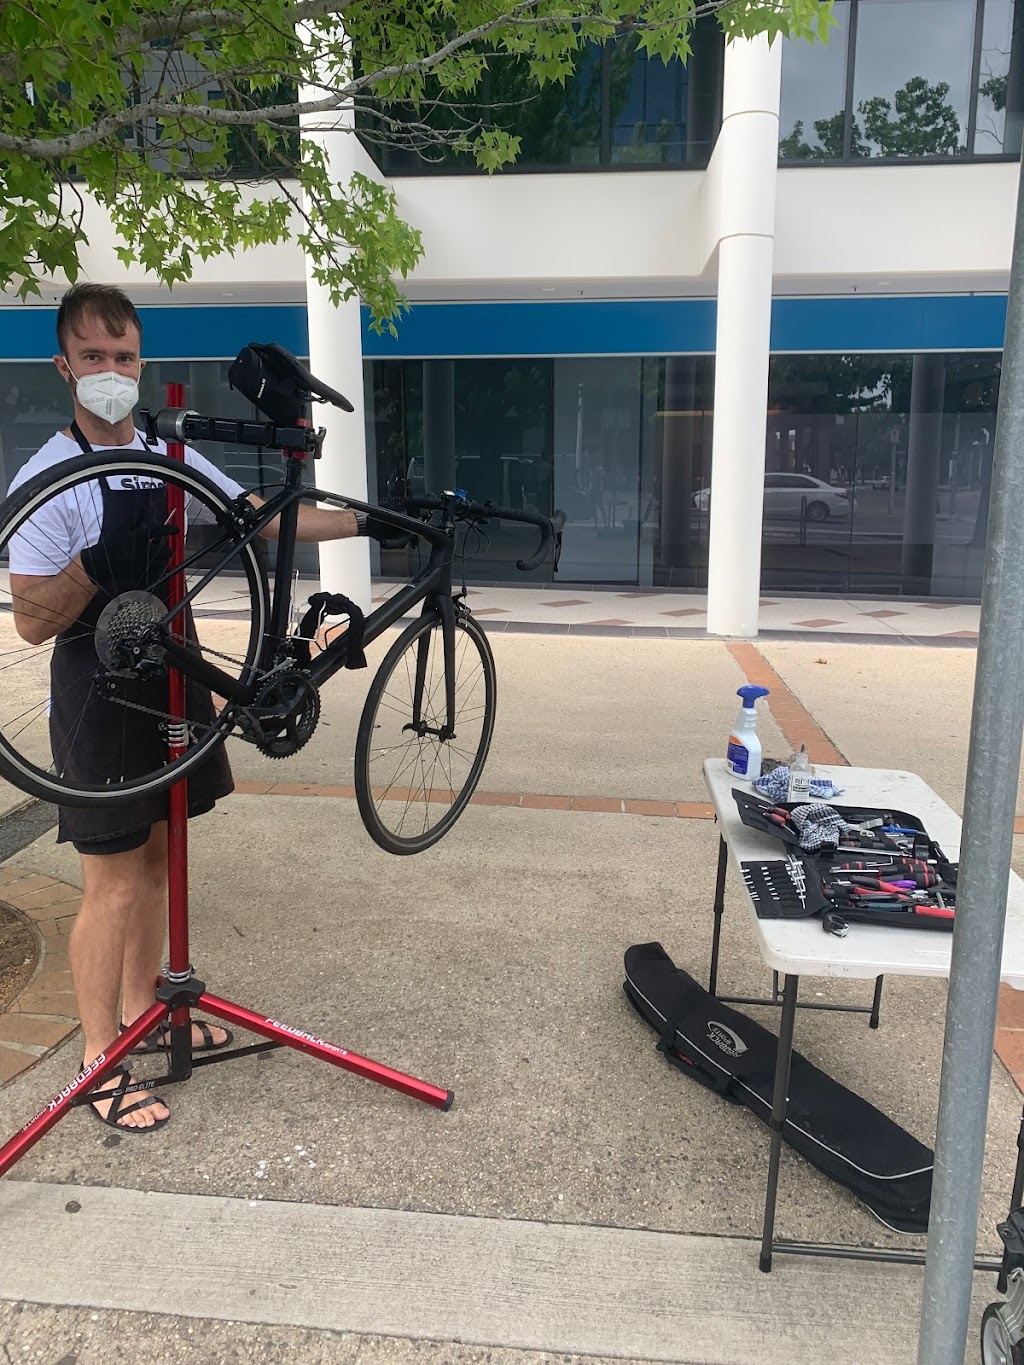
(744, 179)
(336, 357)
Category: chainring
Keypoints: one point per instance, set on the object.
(287, 709)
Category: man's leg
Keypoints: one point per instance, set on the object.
(113, 885)
(145, 928)
(144, 936)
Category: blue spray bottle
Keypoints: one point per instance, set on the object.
(744, 752)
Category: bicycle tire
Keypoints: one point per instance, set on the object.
(387, 755)
(20, 750)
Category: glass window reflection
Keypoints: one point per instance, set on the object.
(912, 77)
(559, 125)
(812, 117)
(647, 106)
(620, 107)
(999, 99)
(902, 448)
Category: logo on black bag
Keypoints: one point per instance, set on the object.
(725, 1038)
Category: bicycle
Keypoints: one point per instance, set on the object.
(428, 717)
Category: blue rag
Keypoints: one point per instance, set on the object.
(775, 785)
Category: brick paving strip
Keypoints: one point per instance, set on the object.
(44, 1013)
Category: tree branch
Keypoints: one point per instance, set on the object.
(520, 15)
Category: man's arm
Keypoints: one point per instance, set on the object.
(43, 607)
(315, 523)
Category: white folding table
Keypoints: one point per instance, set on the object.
(800, 947)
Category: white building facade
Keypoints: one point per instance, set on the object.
(742, 320)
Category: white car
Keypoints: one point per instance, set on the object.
(784, 496)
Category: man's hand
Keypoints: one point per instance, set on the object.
(133, 557)
(376, 529)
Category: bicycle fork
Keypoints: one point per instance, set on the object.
(443, 606)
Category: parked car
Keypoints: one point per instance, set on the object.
(784, 495)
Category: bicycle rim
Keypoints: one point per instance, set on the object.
(229, 621)
(411, 786)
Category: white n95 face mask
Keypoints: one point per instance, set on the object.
(109, 396)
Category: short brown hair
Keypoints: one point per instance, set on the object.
(111, 305)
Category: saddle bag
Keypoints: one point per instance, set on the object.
(837, 1131)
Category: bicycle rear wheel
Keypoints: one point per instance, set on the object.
(412, 784)
(83, 676)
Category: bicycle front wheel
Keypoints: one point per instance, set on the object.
(412, 782)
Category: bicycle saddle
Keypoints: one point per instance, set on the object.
(279, 384)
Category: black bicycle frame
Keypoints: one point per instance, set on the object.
(432, 587)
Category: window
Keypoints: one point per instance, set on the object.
(1000, 99)
(811, 116)
(906, 510)
(619, 108)
(912, 74)
(907, 79)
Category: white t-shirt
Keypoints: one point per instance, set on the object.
(72, 520)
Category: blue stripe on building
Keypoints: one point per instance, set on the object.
(641, 327)
(185, 333)
(947, 322)
(619, 327)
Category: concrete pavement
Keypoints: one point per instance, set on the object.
(492, 964)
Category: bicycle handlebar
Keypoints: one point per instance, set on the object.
(550, 527)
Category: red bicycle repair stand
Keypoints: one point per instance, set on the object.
(179, 990)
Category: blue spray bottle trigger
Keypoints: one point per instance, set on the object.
(750, 694)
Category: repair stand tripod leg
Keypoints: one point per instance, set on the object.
(719, 907)
(780, 1104)
(77, 1090)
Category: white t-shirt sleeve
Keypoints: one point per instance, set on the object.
(199, 462)
(64, 525)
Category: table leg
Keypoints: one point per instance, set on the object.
(723, 860)
(876, 1003)
(780, 1105)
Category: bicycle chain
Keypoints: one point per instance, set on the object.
(164, 715)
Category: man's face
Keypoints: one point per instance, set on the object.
(91, 349)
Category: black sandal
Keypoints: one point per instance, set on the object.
(118, 1109)
(160, 1039)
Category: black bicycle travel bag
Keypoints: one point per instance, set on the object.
(837, 1131)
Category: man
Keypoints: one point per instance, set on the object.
(117, 941)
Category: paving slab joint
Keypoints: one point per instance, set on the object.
(27, 1034)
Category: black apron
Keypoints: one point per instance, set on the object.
(98, 740)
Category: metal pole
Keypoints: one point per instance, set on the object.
(990, 800)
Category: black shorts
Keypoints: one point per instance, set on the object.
(118, 843)
(126, 841)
